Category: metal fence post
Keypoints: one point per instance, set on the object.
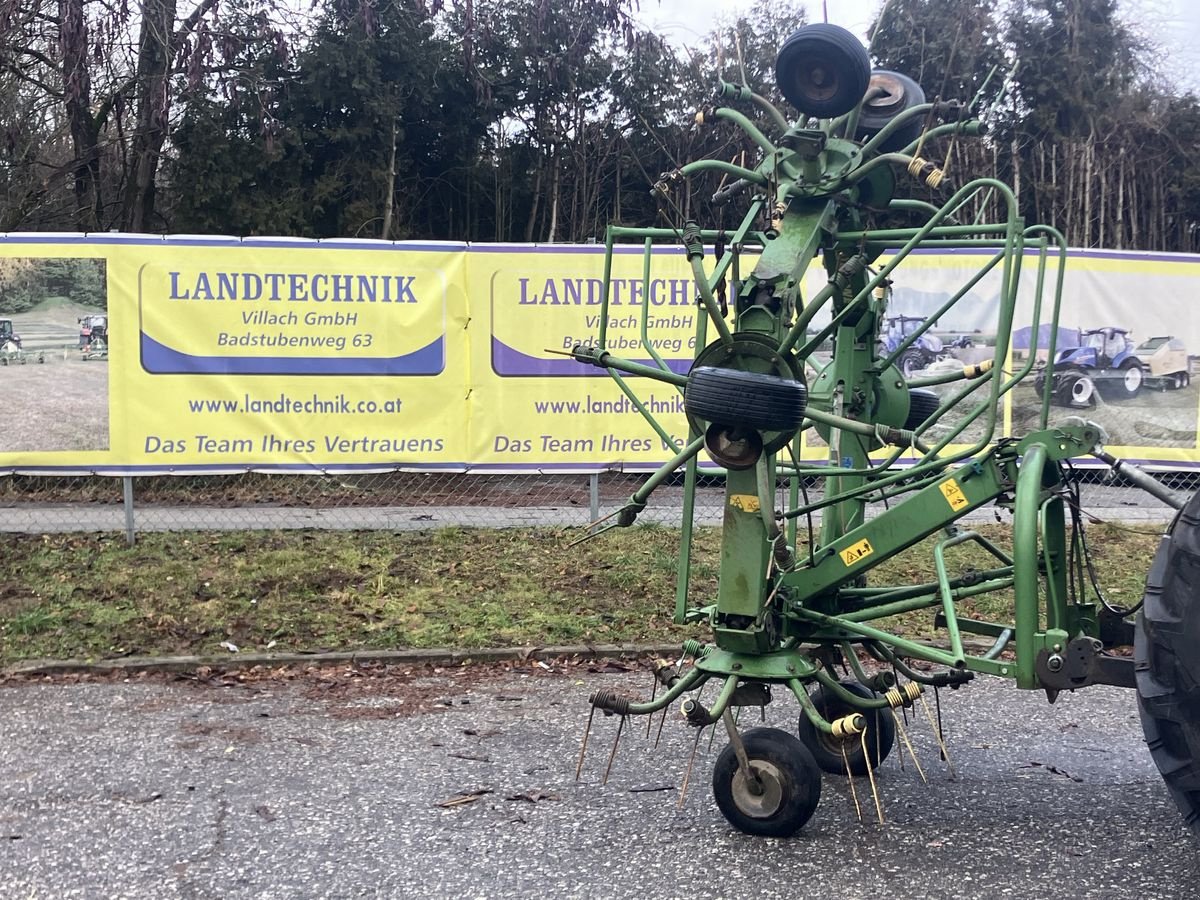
(128, 498)
(594, 484)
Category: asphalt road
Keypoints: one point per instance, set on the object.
(328, 787)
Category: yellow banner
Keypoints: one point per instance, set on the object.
(129, 353)
(533, 407)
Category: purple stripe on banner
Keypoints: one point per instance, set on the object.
(626, 249)
(159, 359)
(178, 241)
(513, 363)
(1159, 467)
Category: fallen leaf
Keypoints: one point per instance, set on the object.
(533, 796)
(264, 812)
(463, 798)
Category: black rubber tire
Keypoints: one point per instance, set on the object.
(903, 93)
(909, 362)
(1039, 384)
(745, 399)
(921, 405)
(1166, 652)
(790, 768)
(825, 749)
(823, 70)
(1121, 385)
(1076, 390)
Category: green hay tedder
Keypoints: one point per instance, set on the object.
(790, 612)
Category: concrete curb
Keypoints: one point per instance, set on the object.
(235, 661)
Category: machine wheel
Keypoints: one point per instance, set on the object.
(827, 750)
(1166, 652)
(1131, 380)
(910, 362)
(921, 405)
(1075, 389)
(789, 784)
(823, 70)
(747, 399)
(902, 93)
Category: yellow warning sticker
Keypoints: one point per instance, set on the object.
(953, 494)
(745, 502)
(857, 552)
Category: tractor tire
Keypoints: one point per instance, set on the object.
(1166, 652)
(902, 93)
(1076, 390)
(1132, 378)
(921, 405)
(910, 362)
(827, 750)
(823, 70)
(733, 397)
(790, 784)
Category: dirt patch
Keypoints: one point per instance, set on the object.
(59, 405)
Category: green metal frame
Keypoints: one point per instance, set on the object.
(774, 621)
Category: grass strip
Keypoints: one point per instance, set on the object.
(85, 596)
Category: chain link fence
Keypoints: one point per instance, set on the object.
(406, 501)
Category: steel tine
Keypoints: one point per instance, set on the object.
(583, 748)
(653, 693)
(613, 755)
(687, 775)
(661, 722)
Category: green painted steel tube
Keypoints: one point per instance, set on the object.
(1002, 641)
(905, 646)
(602, 337)
(719, 706)
(806, 704)
(671, 234)
(1053, 234)
(901, 120)
(835, 321)
(889, 594)
(645, 317)
(969, 128)
(751, 130)
(910, 339)
(907, 234)
(743, 92)
(1025, 561)
(687, 525)
(710, 302)
(925, 601)
(718, 165)
(606, 360)
(664, 435)
(948, 610)
(693, 678)
(833, 686)
(947, 378)
(663, 472)
(811, 308)
(909, 205)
